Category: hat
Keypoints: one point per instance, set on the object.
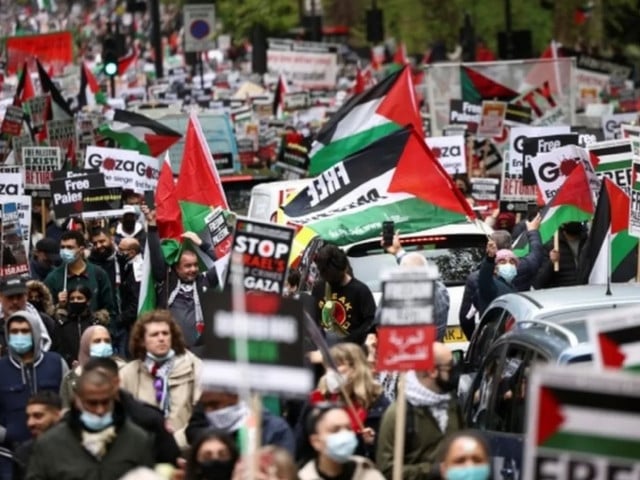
(505, 221)
(129, 209)
(505, 254)
(48, 245)
(13, 286)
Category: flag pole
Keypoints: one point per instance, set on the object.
(481, 225)
(608, 292)
(556, 247)
(638, 264)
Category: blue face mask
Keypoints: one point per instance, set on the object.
(100, 350)
(20, 342)
(164, 358)
(96, 422)
(473, 472)
(341, 445)
(67, 256)
(507, 271)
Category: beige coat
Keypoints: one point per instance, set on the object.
(365, 470)
(184, 389)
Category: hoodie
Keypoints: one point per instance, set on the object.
(19, 380)
(44, 337)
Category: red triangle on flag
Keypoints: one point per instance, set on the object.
(575, 191)
(486, 87)
(612, 357)
(399, 104)
(159, 143)
(168, 214)
(550, 416)
(432, 184)
(619, 205)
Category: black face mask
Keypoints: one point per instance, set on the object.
(37, 304)
(128, 224)
(450, 384)
(76, 309)
(216, 469)
(572, 228)
(105, 254)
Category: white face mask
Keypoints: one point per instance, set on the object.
(334, 381)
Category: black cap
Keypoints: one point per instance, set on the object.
(48, 245)
(13, 286)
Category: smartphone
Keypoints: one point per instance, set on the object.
(532, 211)
(388, 231)
(150, 199)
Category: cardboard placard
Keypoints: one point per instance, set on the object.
(450, 151)
(17, 143)
(492, 119)
(12, 121)
(14, 260)
(517, 136)
(534, 146)
(11, 180)
(37, 110)
(102, 202)
(39, 164)
(126, 169)
(67, 192)
(614, 158)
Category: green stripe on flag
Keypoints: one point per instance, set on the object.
(193, 215)
(337, 151)
(594, 444)
(125, 140)
(621, 246)
(559, 216)
(617, 165)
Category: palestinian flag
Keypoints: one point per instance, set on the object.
(147, 300)
(90, 93)
(278, 97)
(636, 177)
(385, 108)
(620, 348)
(133, 131)
(396, 178)
(59, 108)
(613, 159)
(588, 422)
(124, 63)
(477, 87)
(25, 89)
(199, 189)
(573, 202)
(610, 252)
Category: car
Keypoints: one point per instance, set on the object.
(456, 249)
(564, 307)
(496, 403)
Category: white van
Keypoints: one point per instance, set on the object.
(267, 197)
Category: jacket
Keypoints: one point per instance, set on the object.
(365, 470)
(184, 389)
(111, 267)
(45, 336)
(490, 286)
(93, 277)
(18, 381)
(69, 330)
(567, 275)
(275, 430)
(138, 233)
(422, 440)
(167, 281)
(131, 276)
(59, 454)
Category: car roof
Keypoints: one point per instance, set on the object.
(552, 346)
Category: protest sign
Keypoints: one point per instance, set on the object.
(296, 101)
(515, 196)
(37, 111)
(293, 161)
(223, 161)
(272, 327)
(67, 192)
(54, 50)
(517, 158)
(631, 132)
(517, 115)
(219, 231)
(486, 156)
(450, 151)
(492, 120)
(552, 169)
(485, 192)
(305, 64)
(611, 123)
(265, 248)
(124, 168)
(12, 121)
(11, 180)
(62, 133)
(581, 424)
(17, 143)
(587, 136)
(534, 146)
(39, 164)
(612, 159)
(634, 204)
(616, 339)
(102, 202)
(14, 260)
(24, 215)
(465, 113)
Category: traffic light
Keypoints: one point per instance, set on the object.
(110, 56)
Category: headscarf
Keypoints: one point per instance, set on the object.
(85, 343)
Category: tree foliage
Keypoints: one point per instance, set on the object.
(238, 16)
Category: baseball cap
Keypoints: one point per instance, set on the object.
(13, 286)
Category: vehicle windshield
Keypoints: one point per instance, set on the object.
(455, 255)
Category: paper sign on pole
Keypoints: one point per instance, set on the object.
(39, 164)
(13, 258)
(124, 168)
(616, 339)
(450, 152)
(199, 26)
(24, 214)
(581, 424)
(492, 121)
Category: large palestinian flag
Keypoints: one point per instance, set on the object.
(386, 107)
(573, 202)
(133, 131)
(477, 87)
(59, 108)
(610, 252)
(396, 178)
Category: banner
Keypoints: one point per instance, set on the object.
(12, 121)
(124, 168)
(581, 424)
(265, 248)
(534, 146)
(614, 158)
(39, 164)
(450, 152)
(51, 49)
(67, 193)
(272, 327)
(307, 65)
(11, 180)
(102, 202)
(14, 260)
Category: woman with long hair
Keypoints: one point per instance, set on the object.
(213, 456)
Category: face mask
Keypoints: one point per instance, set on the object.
(572, 228)
(96, 422)
(67, 255)
(101, 350)
(76, 309)
(37, 304)
(507, 271)
(474, 472)
(216, 469)
(20, 342)
(334, 381)
(164, 358)
(228, 419)
(341, 445)
(451, 383)
(128, 224)
(104, 254)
